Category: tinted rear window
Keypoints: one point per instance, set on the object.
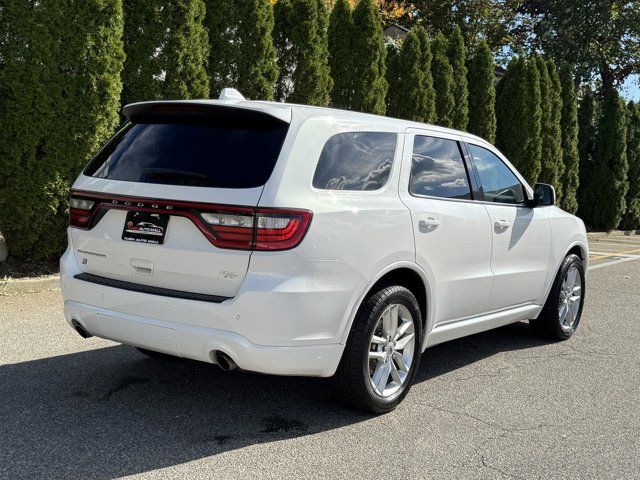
(194, 154)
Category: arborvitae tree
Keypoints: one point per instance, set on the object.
(186, 51)
(167, 50)
(410, 93)
(631, 219)
(143, 31)
(257, 69)
(482, 93)
(301, 36)
(607, 183)
(570, 156)
(284, 49)
(587, 132)
(551, 162)
(457, 53)
(393, 78)
(518, 117)
(443, 82)
(340, 54)
(368, 59)
(429, 114)
(60, 96)
(221, 23)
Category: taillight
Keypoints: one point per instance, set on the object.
(262, 229)
(80, 212)
(225, 226)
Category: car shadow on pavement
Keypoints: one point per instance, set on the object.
(110, 412)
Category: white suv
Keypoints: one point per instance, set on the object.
(295, 240)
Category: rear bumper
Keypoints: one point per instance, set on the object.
(198, 343)
(288, 323)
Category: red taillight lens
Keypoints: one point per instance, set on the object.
(263, 229)
(278, 229)
(226, 226)
(80, 212)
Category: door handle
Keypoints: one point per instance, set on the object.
(430, 222)
(502, 224)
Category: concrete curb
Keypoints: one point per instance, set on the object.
(10, 286)
(615, 233)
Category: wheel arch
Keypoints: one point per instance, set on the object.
(408, 275)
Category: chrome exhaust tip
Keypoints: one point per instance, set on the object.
(225, 362)
(81, 330)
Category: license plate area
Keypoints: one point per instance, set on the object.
(145, 227)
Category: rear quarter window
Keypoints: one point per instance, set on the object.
(202, 154)
(356, 161)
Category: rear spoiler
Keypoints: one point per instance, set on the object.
(227, 113)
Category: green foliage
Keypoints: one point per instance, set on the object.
(493, 21)
(443, 82)
(221, 23)
(368, 59)
(518, 117)
(167, 49)
(552, 166)
(429, 114)
(410, 86)
(256, 69)
(186, 50)
(587, 133)
(393, 79)
(600, 37)
(143, 27)
(631, 218)
(569, 128)
(607, 183)
(457, 53)
(60, 88)
(482, 94)
(340, 55)
(301, 41)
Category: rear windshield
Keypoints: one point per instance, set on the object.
(196, 154)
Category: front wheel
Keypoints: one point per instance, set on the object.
(561, 313)
(383, 351)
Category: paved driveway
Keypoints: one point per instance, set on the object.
(501, 404)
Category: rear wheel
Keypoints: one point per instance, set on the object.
(383, 351)
(561, 314)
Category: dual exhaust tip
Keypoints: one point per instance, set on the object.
(224, 361)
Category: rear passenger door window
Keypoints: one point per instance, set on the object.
(356, 161)
(438, 169)
(499, 183)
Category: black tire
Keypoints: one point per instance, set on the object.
(352, 382)
(157, 355)
(548, 324)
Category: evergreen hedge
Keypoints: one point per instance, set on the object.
(410, 88)
(368, 59)
(340, 54)
(569, 128)
(552, 166)
(606, 179)
(482, 93)
(221, 21)
(256, 66)
(301, 42)
(587, 133)
(519, 115)
(631, 218)
(457, 53)
(60, 93)
(443, 82)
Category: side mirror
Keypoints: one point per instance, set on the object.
(543, 195)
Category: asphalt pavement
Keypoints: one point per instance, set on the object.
(501, 404)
